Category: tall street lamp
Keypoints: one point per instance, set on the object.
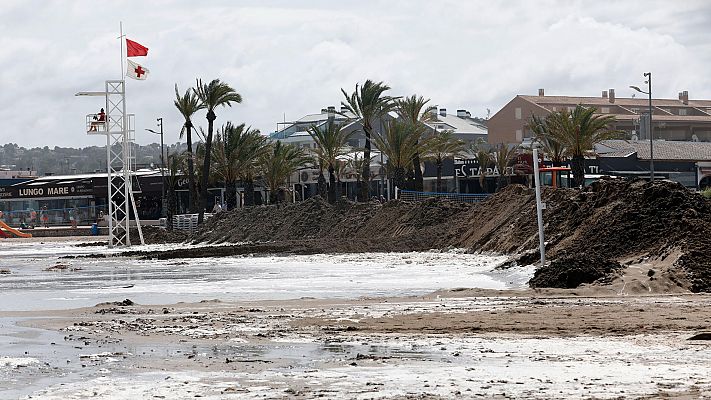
(648, 75)
(162, 165)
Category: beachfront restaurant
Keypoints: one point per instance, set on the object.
(20, 200)
(26, 201)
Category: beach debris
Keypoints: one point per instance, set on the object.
(57, 267)
(701, 336)
(92, 244)
(123, 303)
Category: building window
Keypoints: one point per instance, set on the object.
(682, 111)
(635, 110)
(605, 110)
(555, 109)
(518, 112)
(519, 135)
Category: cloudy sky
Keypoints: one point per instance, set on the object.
(290, 58)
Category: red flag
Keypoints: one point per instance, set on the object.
(134, 49)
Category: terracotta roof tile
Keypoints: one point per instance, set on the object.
(663, 149)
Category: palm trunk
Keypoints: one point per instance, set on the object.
(248, 192)
(439, 177)
(419, 185)
(231, 194)
(399, 177)
(321, 184)
(364, 192)
(578, 167)
(500, 181)
(409, 179)
(206, 166)
(171, 207)
(357, 187)
(331, 184)
(482, 182)
(274, 196)
(192, 190)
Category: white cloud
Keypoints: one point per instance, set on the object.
(292, 57)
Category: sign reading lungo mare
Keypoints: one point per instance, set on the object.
(34, 189)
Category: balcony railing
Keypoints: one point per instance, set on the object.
(95, 124)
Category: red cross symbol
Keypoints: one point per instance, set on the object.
(139, 71)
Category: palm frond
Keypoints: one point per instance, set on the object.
(399, 144)
(187, 104)
(331, 142)
(368, 102)
(216, 93)
(443, 145)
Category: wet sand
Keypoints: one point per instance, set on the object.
(243, 348)
(521, 312)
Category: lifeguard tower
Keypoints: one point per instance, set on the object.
(119, 129)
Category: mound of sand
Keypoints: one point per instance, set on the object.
(611, 221)
(572, 271)
(346, 226)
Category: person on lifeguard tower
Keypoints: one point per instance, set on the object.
(99, 119)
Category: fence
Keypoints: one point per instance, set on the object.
(410, 195)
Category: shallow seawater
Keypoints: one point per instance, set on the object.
(86, 282)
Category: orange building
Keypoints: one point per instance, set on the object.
(673, 119)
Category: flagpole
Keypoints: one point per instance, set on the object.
(121, 41)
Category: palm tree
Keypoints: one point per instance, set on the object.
(415, 112)
(278, 164)
(368, 103)
(200, 165)
(400, 145)
(503, 157)
(443, 145)
(553, 149)
(578, 131)
(188, 104)
(483, 158)
(331, 144)
(357, 166)
(321, 184)
(233, 146)
(252, 147)
(212, 95)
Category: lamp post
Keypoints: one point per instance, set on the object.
(648, 75)
(162, 165)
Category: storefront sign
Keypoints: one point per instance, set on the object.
(25, 191)
(471, 169)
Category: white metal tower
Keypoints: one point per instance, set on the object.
(119, 128)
